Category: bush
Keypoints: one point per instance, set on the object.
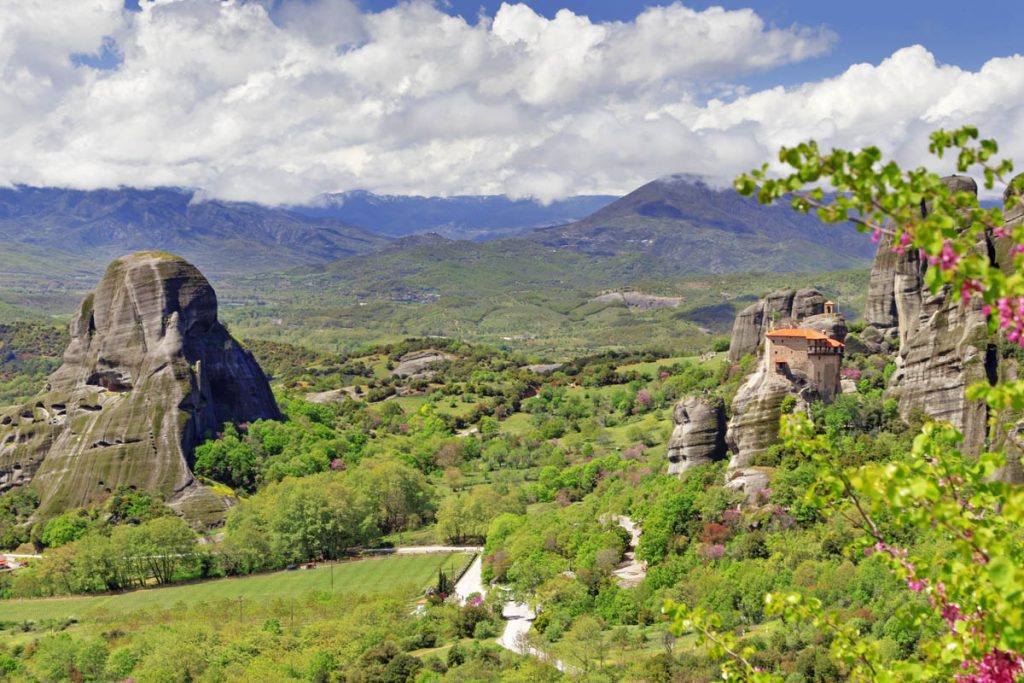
(485, 629)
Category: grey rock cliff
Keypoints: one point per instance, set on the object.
(756, 411)
(148, 374)
(944, 345)
(785, 306)
(699, 434)
(1008, 434)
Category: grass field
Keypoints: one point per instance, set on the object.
(392, 574)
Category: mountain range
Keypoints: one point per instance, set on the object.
(220, 237)
(460, 217)
(671, 227)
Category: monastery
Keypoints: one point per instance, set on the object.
(807, 354)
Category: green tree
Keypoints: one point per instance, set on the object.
(67, 527)
(165, 545)
(585, 644)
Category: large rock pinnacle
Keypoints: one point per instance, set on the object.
(149, 373)
(699, 435)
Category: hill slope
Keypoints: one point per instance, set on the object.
(221, 237)
(684, 226)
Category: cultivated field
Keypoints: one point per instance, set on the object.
(392, 574)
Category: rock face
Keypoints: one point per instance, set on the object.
(1008, 435)
(832, 325)
(944, 345)
(756, 410)
(786, 307)
(149, 373)
(699, 435)
(417, 364)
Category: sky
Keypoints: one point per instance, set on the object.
(279, 101)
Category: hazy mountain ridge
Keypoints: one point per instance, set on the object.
(224, 237)
(458, 217)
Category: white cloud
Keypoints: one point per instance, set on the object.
(280, 101)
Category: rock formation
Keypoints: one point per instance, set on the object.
(1008, 435)
(756, 411)
(699, 435)
(944, 345)
(785, 307)
(148, 374)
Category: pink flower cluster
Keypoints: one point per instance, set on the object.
(967, 289)
(902, 243)
(1010, 311)
(995, 667)
(947, 258)
(712, 552)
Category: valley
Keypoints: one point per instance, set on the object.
(609, 426)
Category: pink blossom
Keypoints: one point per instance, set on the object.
(968, 288)
(948, 258)
(1010, 317)
(643, 397)
(996, 666)
(901, 246)
(713, 552)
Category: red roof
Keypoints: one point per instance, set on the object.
(810, 335)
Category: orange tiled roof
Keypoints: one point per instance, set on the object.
(805, 334)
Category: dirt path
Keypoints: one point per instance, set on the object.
(518, 616)
(632, 571)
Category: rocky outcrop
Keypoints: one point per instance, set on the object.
(944, 345)
(828, 324)
(1008, 434)
(756, 411)
(148, 374)
(785, 307)
(417, 364)
(750, 481)
(699, 435)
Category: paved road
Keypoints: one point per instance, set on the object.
(425, 549)
(472, 581)
(519, 618)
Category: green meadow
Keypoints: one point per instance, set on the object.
(405, 573)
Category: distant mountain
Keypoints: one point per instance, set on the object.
(685, 226)
(460, 217)
(220, 237)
